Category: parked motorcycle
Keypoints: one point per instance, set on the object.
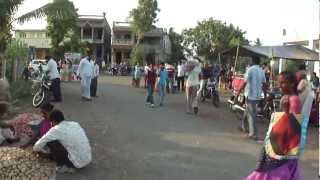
(209, 91)
(269, 103)
(42, 91)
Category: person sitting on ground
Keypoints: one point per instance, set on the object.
(44, 125)
(66, 143)
(7, 133)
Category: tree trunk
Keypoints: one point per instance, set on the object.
(15, 70)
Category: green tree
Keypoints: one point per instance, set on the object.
(7, 10)
(211, 37)
(177, 49)
(16, 52)
(136, 56)
(62, 20)
(143, 17)
(258, 42)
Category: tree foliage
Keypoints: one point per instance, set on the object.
(62, 23)
(177, 49)
(136, 56)
(16, 52)
(7, 10)
(211, 37)
(143, 17)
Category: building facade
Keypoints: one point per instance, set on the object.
(95, 30)
(37, 40)
(155, 45)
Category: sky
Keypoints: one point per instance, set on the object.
(264, 19)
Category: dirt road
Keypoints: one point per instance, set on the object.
(131, 141)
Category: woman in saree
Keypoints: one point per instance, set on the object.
(285, 137)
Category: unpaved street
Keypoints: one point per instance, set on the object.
(133, 142)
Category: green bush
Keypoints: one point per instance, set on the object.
(20, 89)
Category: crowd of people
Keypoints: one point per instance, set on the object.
(283, 143)
(187, 76)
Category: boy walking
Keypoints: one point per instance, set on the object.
(150, 80)
(163, 77)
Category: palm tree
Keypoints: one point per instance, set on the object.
(62, 19)
(7, 10)
(58, 9)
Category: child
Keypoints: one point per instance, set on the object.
(43, 127)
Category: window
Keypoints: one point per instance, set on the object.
(22, 35)
(127, 36)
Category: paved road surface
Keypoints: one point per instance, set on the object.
(133, 142)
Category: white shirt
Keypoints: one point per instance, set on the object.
(181, 71)
(53, 69)
(85, 68)
(193, 77)
(254, 78)
(73, 138)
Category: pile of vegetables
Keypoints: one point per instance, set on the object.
(20, 164)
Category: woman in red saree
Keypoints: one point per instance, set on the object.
(283, 143)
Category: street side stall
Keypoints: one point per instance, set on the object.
(275, 59)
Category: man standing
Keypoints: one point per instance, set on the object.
(171, 74)
(180, 76)
(254, 83)
(150, 80)
(94, 80)
(137, 75)
(193, 68)
(54, 76)
(163, 76)
(85, 71)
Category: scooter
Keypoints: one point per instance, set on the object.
(210, 91)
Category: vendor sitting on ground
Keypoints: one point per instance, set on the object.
(43, 127)
(66, 143)
(6, 130)
(7, 133)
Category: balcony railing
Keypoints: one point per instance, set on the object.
(122, 42)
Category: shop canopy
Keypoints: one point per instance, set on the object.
(292, 52)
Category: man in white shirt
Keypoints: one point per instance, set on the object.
(94, 80)
(180, 76)
(66, 143)
(54, 76)
(193, 69)
(85, 71)
(255, 82)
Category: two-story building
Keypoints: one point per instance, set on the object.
(37, 39)
(95, 30)
(155, 44)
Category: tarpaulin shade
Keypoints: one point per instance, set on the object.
(292, 52)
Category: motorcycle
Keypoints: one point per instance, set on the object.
(269, 103)
(209, 91)
(41, 91)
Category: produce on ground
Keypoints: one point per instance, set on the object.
(19, 164)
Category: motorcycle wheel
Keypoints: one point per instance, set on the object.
(38, 98)
(215, 100)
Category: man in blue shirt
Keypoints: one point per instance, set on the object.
(163, 77)
(255, 81)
